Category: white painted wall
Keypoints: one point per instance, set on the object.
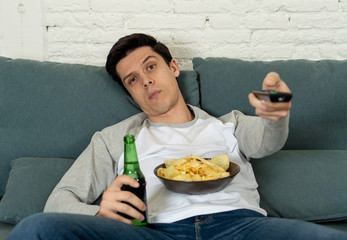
(21, 29)
(83, 31)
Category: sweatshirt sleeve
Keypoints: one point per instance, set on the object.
(258, 137)
(85, 181)
(93, 171)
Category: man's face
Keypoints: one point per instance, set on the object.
(150, 81)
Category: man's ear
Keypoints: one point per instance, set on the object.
(174, 67)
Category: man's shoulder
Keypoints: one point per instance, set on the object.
(128, 125)
(200, 113)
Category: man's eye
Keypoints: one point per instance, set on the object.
(132, 80)
(151, 67)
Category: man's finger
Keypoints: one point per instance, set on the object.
(271, 81)
(108, 210)
(121, 180)
(274, 107)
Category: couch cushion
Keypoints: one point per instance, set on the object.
(189, 87)
(307, 184)
(30, 183)
(5, 229)
(339, 225)
(318, 116)
(52, 109)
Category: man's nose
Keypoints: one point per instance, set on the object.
(147, 81)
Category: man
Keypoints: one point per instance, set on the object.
(168, 128)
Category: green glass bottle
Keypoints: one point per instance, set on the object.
(132, 169)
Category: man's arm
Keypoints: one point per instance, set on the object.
(94, 173)
(261, 136)
(258, 137)
(85, 181)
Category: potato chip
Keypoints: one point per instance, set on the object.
(195, 168)
(221, 160)
(192, 156)
(170, 162)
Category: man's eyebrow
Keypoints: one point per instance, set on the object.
(143, 62)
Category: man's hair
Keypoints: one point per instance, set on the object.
(127, 44)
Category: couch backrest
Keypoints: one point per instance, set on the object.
(319, 108)
(52, 109)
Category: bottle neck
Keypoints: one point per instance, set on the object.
(131, 163)
(130, 154)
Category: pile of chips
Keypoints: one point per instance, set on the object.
(195, 168)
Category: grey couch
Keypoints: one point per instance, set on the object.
(49, 111)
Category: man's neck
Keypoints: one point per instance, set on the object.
(176, 115)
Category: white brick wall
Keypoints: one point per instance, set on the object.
(83, 31)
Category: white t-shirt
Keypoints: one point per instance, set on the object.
(206, 138)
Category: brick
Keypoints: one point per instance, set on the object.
(271, 52)
(103, 35)
(321, 51)
(267, 6)
(339, 36)
(83, 35)
(66, 19)
(239, 51)
(338, 52)
(312, 52)
(185, 64)
(212, 7)
(132, 6)
(67, 50)
(98, 51)
(165, 21)
(66, 34)
(247, 52)
(84, 19)
(267, 20)
(293, 37)
(66, 5)
(342, 52)
(182, 51)
(327, 51)
(106, 19)
(254, 20)
(319, 20)
(226, 21)
(307, 5)
(212, 36)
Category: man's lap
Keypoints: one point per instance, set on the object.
(239, 224)
(250, 225)
(75, 226)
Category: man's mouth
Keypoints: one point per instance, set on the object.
(154, 94)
